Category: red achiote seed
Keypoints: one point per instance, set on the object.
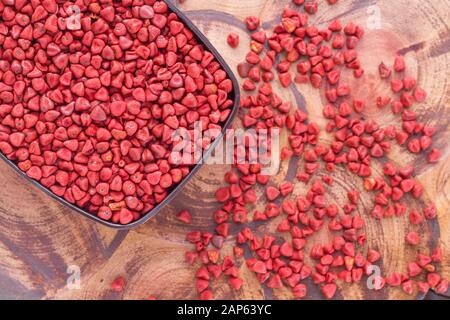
(272, 193)
(285, 79)
(399, 64)
(442, 287)
(118, 284)
(233, 40)
(430, 212)
(373, 256)
(259, 267)
(328, 290)
(434, 155)
(423, 286)
(396, 85)
(104, 213)
(408, 287)
(419, 94)
(384, 71)
(433, 279)
(409, 83)
(223, 194)
(311, 6)
(414, 145)
(412, 238)
(206, 295)
(414, 269)
(394, 279)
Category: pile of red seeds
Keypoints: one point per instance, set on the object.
(318, 55)
(88, 106)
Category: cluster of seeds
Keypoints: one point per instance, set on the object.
(319, 56)
(91, 92)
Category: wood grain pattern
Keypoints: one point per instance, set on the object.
(39, 238)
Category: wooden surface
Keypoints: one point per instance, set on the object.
(39, 238)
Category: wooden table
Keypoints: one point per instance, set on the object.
(40, 239)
